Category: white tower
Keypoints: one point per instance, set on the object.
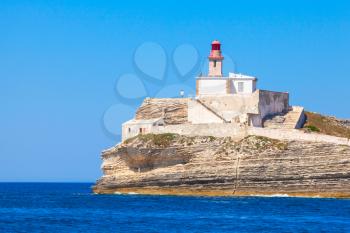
(215, 60)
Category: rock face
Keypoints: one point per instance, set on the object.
(175, 164)
(173, 110)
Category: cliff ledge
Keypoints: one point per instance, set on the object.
(255, 165)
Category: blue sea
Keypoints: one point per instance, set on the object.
(71, 207)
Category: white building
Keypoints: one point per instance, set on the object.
(134, 127)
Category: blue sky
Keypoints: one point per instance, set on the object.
(69, 68)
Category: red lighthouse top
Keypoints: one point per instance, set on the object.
(215, 53)
(215, 45)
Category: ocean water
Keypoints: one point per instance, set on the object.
(71, 207)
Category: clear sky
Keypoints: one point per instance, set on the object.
(72, 71)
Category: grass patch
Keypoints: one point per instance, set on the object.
(162, 140)
(262, 143)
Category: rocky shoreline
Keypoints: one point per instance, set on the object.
(173, 164)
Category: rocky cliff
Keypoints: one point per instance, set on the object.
(175, 164)
(173, 110)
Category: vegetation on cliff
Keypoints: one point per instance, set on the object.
(165, 140)
(327, 125)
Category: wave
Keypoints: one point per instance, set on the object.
(129, 193)
(271, 195)
(132, 193)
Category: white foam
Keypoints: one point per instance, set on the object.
(132, 193)
(272, 195)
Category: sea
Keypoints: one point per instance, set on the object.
(72, 207)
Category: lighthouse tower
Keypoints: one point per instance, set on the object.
(215, 60)
(217, 84)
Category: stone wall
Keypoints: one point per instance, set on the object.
(237, 104)
(231, 107)
(238, 132)
(301, 117)
(295, 134)
(212, 129)
(228, 107)
(199, 114)
(271, 102)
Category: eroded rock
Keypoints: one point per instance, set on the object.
(256, 165)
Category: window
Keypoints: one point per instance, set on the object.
(214, 63)
(140, 130)
(240, 86)
(129, 130)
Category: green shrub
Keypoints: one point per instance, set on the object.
(312, 128)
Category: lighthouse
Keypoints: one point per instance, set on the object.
(225, 104)
(215, 60)
(216, 83)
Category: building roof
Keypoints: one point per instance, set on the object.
(142, 121)
(241, 76)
